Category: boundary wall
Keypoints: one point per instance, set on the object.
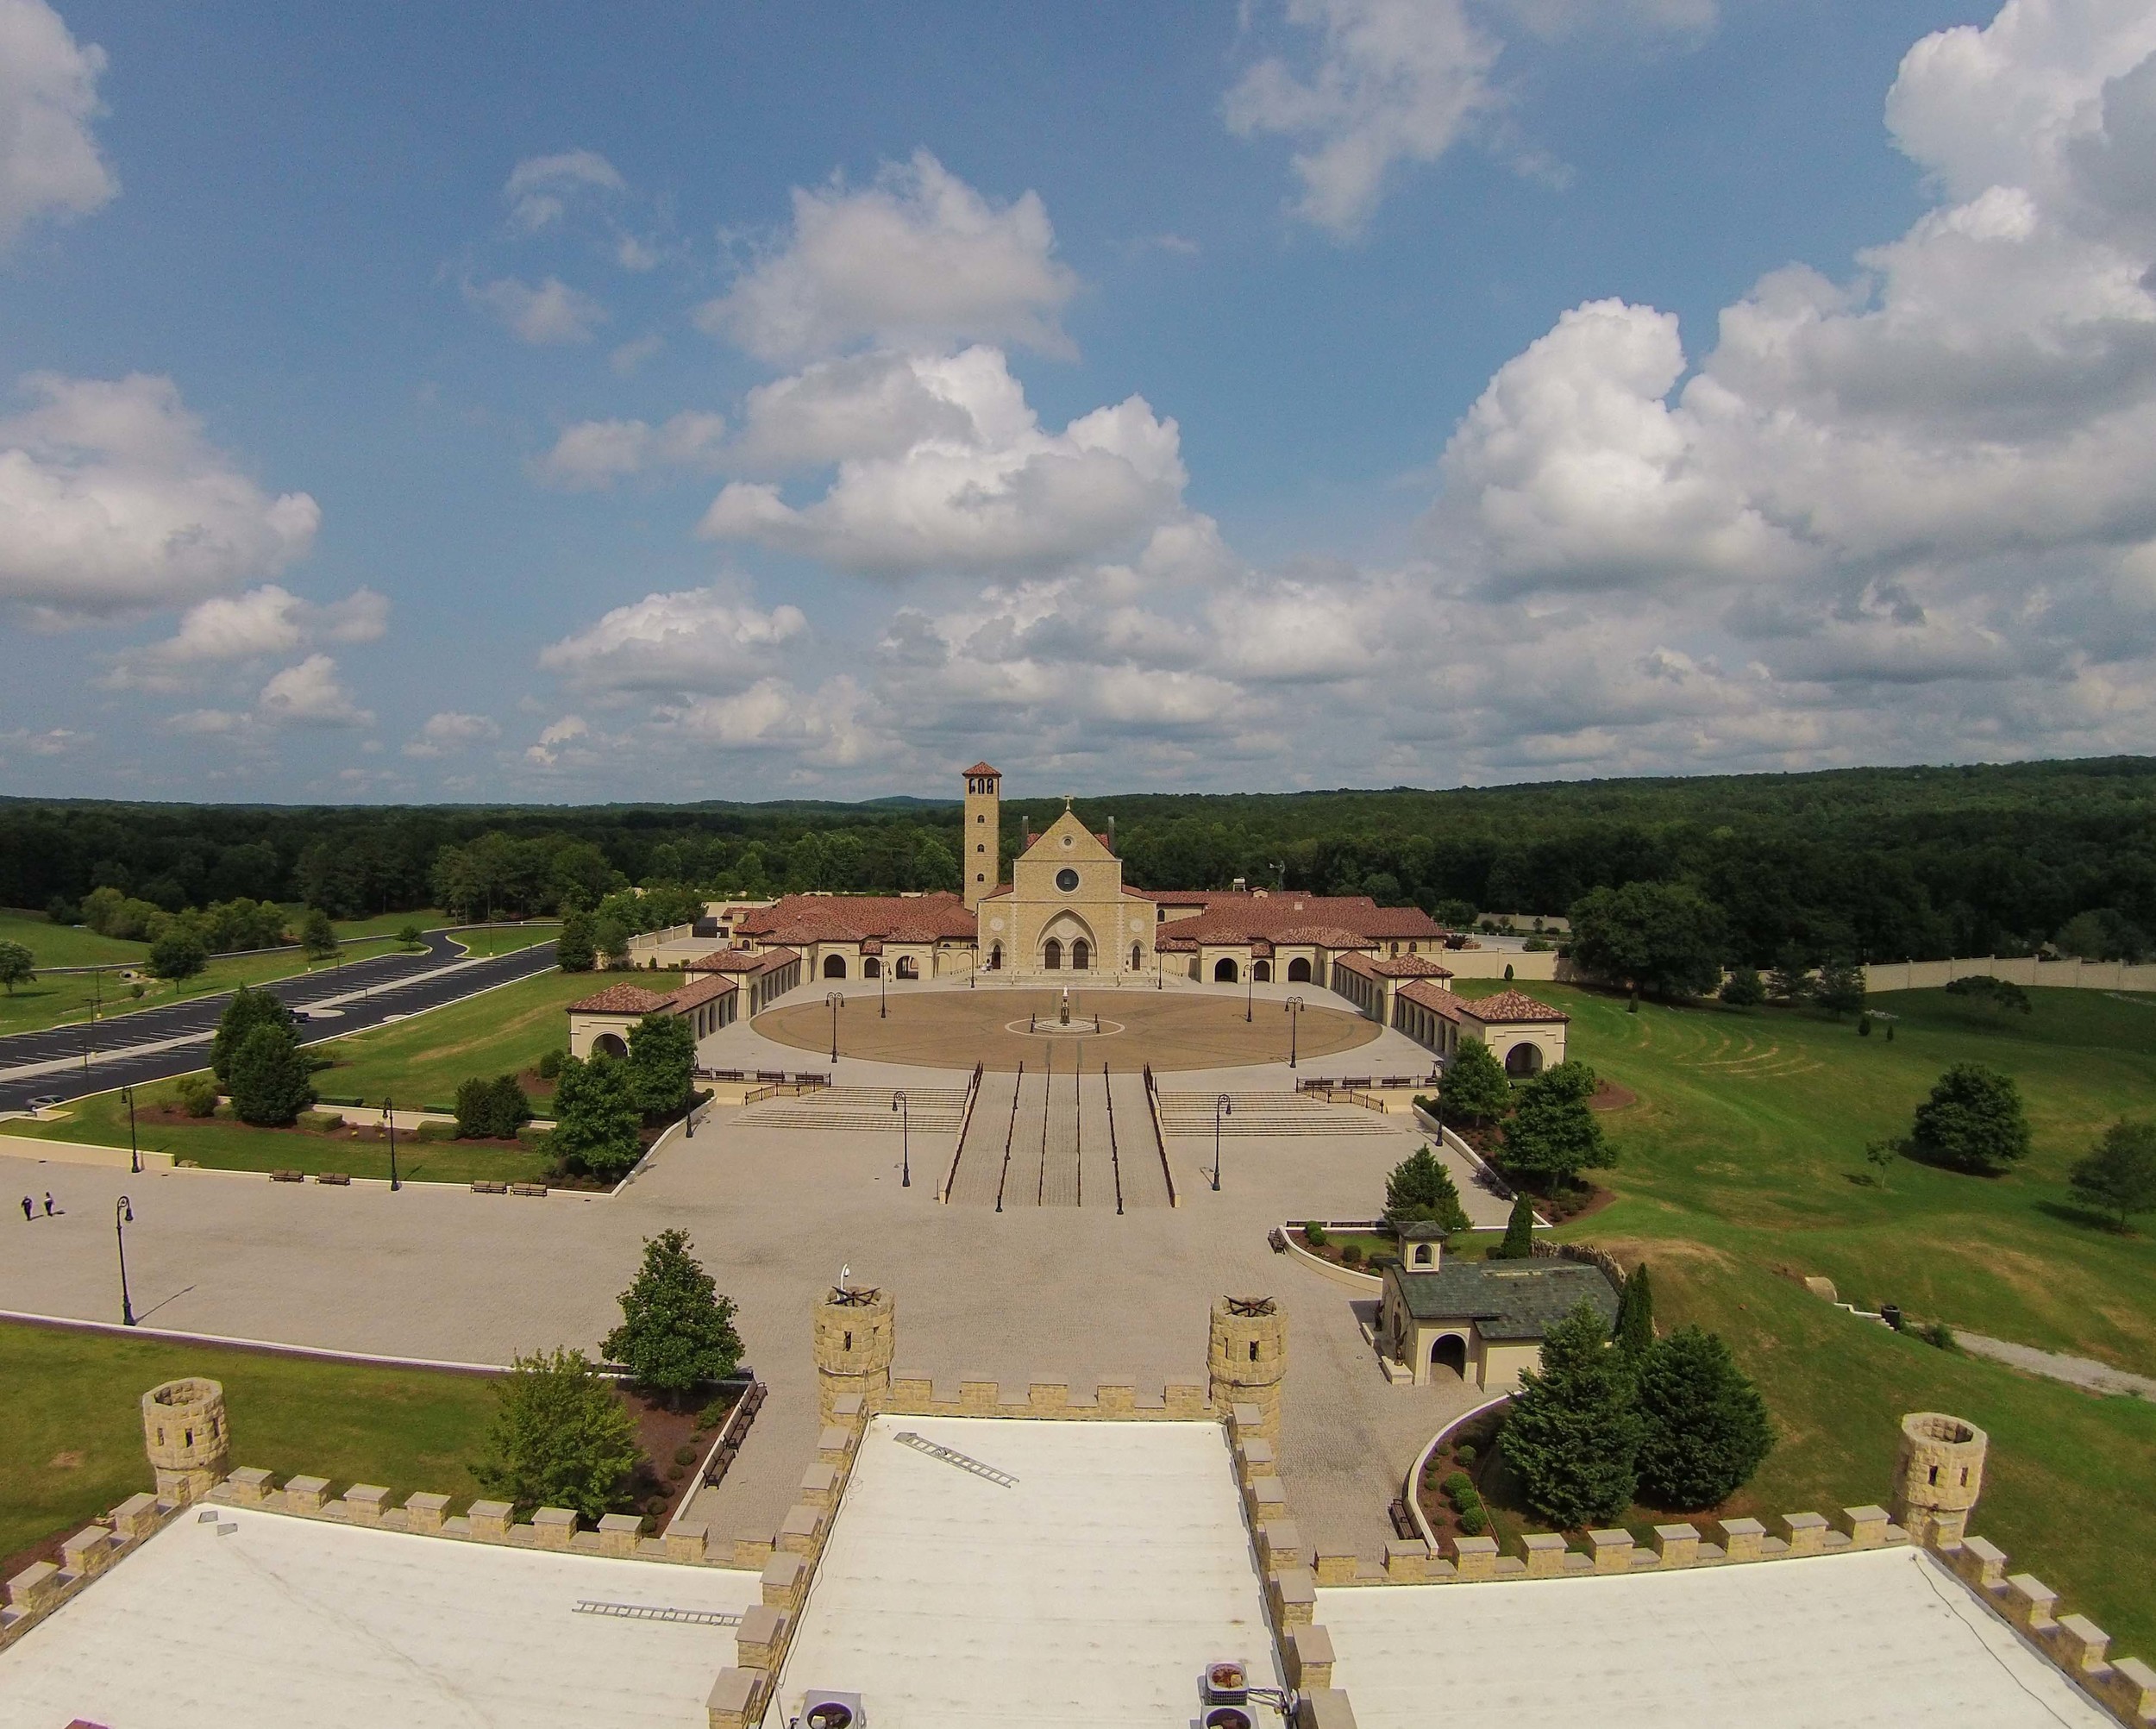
(2026, 970)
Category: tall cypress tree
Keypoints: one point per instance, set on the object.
(1520, 1231)
(1635, 1316)
(1574, 1433)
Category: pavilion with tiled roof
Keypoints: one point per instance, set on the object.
(1523, 1034)
(599, 1025)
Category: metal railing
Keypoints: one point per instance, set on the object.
(965, 1125)
(1160, 1140)
(1115, 1157)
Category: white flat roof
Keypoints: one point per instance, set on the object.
(290, 1621)
(1885, 1636)
(1093, 1591)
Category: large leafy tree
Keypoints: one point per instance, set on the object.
(1705, 1429)
(179, 954)
(1475, 1089)
(18, 966)
(595, 1123)
(573, 951)
(1574, 1433)
(317, 936)
(1972, 1122)
(662, 1065)
(677, 1331)
(271, 1079)
(249, 1009)
(560, 1437)
(491, 1110)
(1420, 1190)
(1553, 1135)
(1663, 937)
(2119, 1176)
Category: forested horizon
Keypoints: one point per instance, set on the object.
(1868, 864)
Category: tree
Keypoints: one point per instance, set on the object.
(318, 936)
(560, 1437)
(677, 1332)
(1574, 1432)
(609, 936)
(1841, 988)
(1790, 981)
(1553, 1135)
(1475, 1089)
(595, 1123)
(271, 1079)
(573, 949)
(18, 966)
(1635, 1317)
(1704, 1428)
(1880, 1155)
(1742, 988)
(1663, 937)
(2119, 1176)
(1520, 1231)
(662, 1065)
(249, 1009)
(1421, 1190)
(1973, 1122)
(410, 936)
(491, 1110)
(2000, 993)
(179, 954)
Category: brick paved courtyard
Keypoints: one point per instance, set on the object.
(1061, 1293)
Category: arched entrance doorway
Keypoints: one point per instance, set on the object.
(1523, 1060)
(609, 1044)
(1261, 971)
(1137, 955)
(872, 968)
(834, 966)
(1299, 970)
(995, 957)
(1080, 955)
(907, 968)
(1224, 971)
(1449, 1352)
(1052, 956)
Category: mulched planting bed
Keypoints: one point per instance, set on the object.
(665, 1480)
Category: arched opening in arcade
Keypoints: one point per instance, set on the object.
(1299, 970)
(908, 968)
(1523, 1060)
(1261, 971)
(871, 968)
(1224, 972)
(1449, 1352)
(609, 1044)
(834, 966)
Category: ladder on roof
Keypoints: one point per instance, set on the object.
(651, 1611)
(950, 1456)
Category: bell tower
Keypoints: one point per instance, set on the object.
(981, 866)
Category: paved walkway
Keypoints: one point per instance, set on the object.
(2078, 1371)
(1073, 1294)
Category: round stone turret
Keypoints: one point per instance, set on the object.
(183, 1432)
(855, 1336)
(1938, 1475)
(1248, 1358)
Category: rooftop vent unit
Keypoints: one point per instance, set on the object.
(825, 1710)
(1226, 1681)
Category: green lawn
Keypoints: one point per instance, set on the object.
(61, 1000)
(1734, 1178)
(64, 945)
(499, 1031)
(508, 941)
(76, 1449)
(382, 924)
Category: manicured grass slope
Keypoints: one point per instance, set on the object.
(1734, 1178)
(64, 945)
(405, 1428)
(59, 999)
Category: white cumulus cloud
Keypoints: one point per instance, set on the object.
(918, 256)
(310, 694)
(594, 453)
(450, 731)
(551, 313)
(695, 640)
(49, 163)
(113, 500)
(539, 186)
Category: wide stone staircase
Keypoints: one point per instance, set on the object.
(1268, 1113)
(1059, 1137)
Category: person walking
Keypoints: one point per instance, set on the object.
(28, 1213)
(48, 1203)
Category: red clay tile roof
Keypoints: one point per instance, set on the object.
(983, 769)
(620, 1000)
(1281, 914)
(1173, 945)
(1409, 967)
(700, 991)
(741, 961)
(802, 918)
(1434, 997)
(1506, 1006)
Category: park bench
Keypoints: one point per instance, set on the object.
(335, 1179)
(288, 1176)
(538, 1188)
(482, 1186)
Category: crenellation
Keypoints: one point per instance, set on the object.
(2028, 1602)
(1475, 1558)
(1544, 1553)
(1612, 1551)
(490, 1520)
(1864, 1526)
(306, 1495)
(1980, 1563)
(249, 1487)
(1407, 1561)
(1678, 1546)
(1743, 1539)
(424, 1512)
(363, 1503)
(1310, 1657)
(1804, 1533)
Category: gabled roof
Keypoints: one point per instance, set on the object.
(1512, 1299)
(1508, 1006)
(1068, 823)
(1288, 915)
(700, 990)
(796, 919)
(984, 768)
(620, 1000)
(1409, 967)
(741, 961)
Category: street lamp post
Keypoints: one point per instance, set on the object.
(134, 1152)
(123, 1217)
(973, 964)
(1249, 994)
(389, 1123)
(836, 1000)
(1222, 1106)
(906, 1138)
(883, 992)
(1293, 1006)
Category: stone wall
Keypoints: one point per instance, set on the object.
(2014, 970)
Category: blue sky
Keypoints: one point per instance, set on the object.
(562, 402)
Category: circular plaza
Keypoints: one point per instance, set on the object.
(1003, 1026)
